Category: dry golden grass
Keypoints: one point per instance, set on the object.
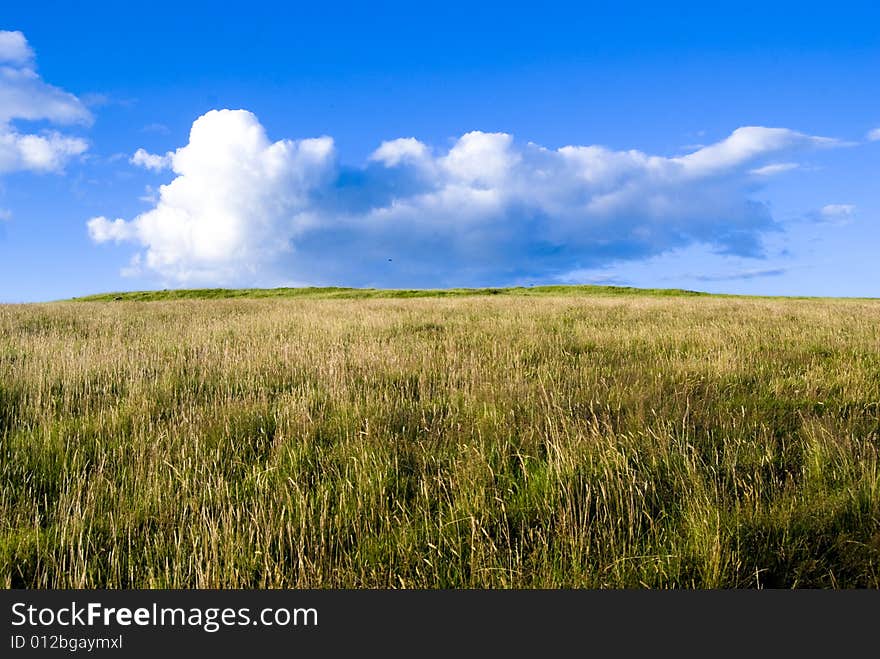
(491, 441)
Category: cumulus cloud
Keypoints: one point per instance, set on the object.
(14, 48)
(103, 230)
(401, 150)
(156, 163)
(25, 96)
(242, 208)
(233, 205)
(48, 152)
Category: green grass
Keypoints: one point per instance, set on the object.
(553, 437)
(373, 293)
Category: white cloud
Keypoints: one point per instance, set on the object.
(835, 210)
(874, 135)
(243, 209)
(103, 230)
(403, 149)
(25, 96)
(5, 215)
(151, 195)
(774, 168)
(837, 213)
(233, 204)
(134, 267)
(151, 161)
(481, 159)
(744, 145)
(14, 49)
(48, 152)
(752, 273)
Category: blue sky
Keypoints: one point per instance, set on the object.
(724, 148)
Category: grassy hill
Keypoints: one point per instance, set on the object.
(536, 437)
(333, 292)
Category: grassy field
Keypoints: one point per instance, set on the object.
(530, 438)
(378, 293)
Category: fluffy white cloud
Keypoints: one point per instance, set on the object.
(401, 150)
(14, 48)
(25, 96)
(103, 230)
(233, 204)
(481, 160)
(152, 161)
(48, 152)
(244, 209)
(874, 135)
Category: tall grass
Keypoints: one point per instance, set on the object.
(473, 441)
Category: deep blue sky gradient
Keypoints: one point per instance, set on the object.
(650, 76)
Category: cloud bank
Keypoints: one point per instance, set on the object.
(25, 96)
(242, 208)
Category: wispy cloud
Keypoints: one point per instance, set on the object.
(737, 275)
(583, 276)
(837, 214)
(873, 135)
(488, 209)
(775, 168)
(151, 195)
(161, 129)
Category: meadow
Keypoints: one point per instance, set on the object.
(526, 438)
